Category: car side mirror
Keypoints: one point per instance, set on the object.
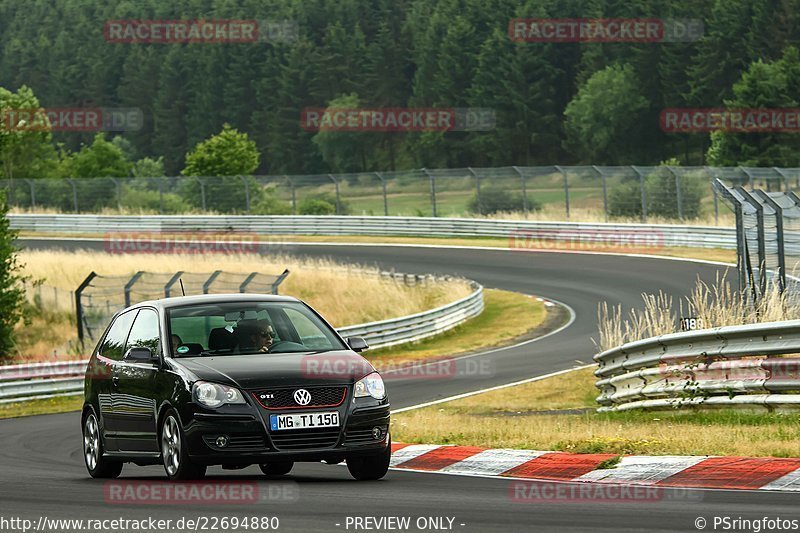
(141, 354)
(357, 344)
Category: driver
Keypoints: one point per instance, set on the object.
(254, 336)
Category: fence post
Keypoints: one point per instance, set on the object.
(762, 252)
(524, 191)
(118, 190)
(210, 280)
(246, 194)
(643, 193)
(74, 193)
(202, 191)
(779, 238)
(33, 192)
(279, 280)
(336, 184)
(160, 182)
(784, 176)
(566, 188)
(79, 307)
(129, 286)
(477, 189)
(385, 199)
(678, 192)
(246, 282)
(433, 190)
(294, 199)
(605, 190)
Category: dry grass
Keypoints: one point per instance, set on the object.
(555, 213)
(718, 304)
(45, 406)
(344, 294)
(506, 316)
(512, 418)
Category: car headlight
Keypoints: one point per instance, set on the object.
(372, 385)
(213, 395)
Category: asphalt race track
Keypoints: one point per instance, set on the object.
(44, 475)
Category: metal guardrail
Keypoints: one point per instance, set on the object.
(719, 367)
(42, 380)
(521, 234)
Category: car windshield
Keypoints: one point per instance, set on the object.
(236, 328)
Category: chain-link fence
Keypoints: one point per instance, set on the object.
(99, 297)
(640, 192)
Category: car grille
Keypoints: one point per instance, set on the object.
(238, 442)
(305, 439)
(284, 398)
(362, 436)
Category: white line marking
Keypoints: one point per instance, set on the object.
(642, 469)
(493, 462)
(411, 452)
(490, 389)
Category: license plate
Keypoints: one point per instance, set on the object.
(304, 420)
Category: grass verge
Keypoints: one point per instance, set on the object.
(45, 406)
(532, 416)
(507, 317)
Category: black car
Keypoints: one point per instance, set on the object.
(231, 380)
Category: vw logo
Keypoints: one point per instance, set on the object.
(302, 397)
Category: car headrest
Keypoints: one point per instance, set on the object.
(221, 339)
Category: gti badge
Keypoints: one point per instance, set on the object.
(266, 396)
(302, 397)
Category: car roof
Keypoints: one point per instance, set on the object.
(178, 301)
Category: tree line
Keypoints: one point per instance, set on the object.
(567, 103)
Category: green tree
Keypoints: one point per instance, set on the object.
(12, 293)
(25, 138)
(97, 160)
(224, 162)
(603, 121)
(346, 151)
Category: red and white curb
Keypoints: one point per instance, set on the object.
(743, 473)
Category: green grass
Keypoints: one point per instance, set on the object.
(518, 417)
(59, 404)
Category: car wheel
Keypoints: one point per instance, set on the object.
(370, 467)
(97, 465)
(177, 464)
(277, 469)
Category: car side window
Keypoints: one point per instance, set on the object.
(114, 343)
(144, 333)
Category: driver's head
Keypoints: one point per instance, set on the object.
(255, 334)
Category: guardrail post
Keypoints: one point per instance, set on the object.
(336, 184)
(246, 282)
(385, 198)
(79, 307)
(279, 280)
(174, 279)
(477, 189)
(433, 190)
(524, 191)
(566, 187)
(129, 286)
(210, 280)
(246, 194)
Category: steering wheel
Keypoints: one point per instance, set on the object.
(276, 344)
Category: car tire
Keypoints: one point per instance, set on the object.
(174, 454)
(280, 468)
(370, 467)
(97, 465)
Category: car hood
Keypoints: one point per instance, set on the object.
(270, 370)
